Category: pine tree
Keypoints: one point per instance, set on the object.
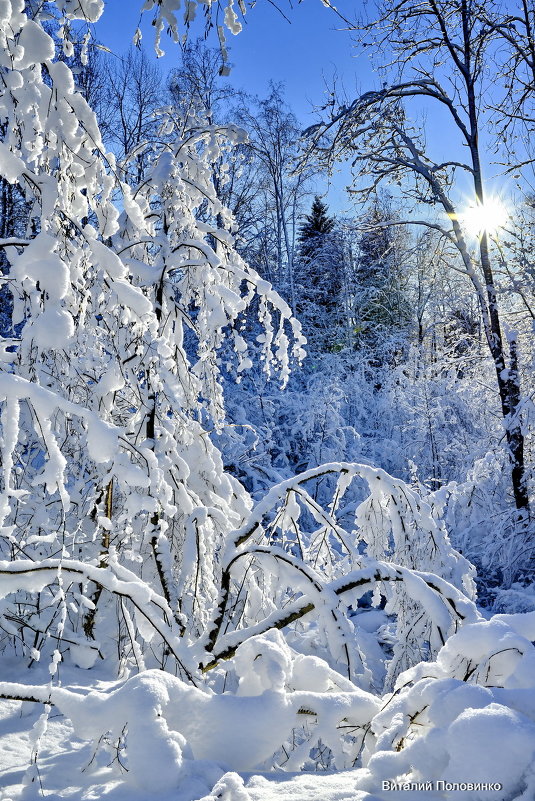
(317, 227)
(320, 280)
(380, 304)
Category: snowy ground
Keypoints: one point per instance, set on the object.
(64, 772)
(66, 768)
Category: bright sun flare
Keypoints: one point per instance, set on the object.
(488, 217)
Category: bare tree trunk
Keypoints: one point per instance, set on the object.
(508, 378)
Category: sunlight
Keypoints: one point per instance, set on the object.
(488, 217)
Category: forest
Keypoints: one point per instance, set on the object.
(267, 458)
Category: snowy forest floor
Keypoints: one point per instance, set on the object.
(67, 769)
(64, 772)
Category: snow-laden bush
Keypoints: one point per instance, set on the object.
(290, 561)
(468, 717)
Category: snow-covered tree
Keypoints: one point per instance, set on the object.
(123, 541)
(380, 307)
(320, 280)
(386, 145)
(317, 226)
(274, 145)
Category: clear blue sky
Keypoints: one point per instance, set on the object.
(304, 54)
(300, 52)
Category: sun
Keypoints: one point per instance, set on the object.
(487, 217)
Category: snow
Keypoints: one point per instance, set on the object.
(272, 661)
(496, 742)
(65, 772)
(36, 45)
(88, 10)
(52, 330)
(39, 263)
(83, 656)
(11, 165)
(231, 19)
(101, 440)
(107, 259)
(230, 649)
(341, 786)
(70, 770)
(257, 724)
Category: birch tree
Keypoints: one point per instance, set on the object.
(439, 57)
(273, 133)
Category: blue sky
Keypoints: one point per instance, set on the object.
(301, 53)
(305, 54)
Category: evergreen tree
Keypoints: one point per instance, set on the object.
(320, 284)
(318, 225)
(381, 308)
